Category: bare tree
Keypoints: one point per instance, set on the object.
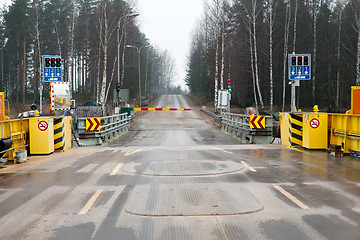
(252, 12)
(104, 39)
(216, 80)
(252, 64)
(222, 46)
(74, 16)
(285, 57)
(295, 25)
(315, 9)
(106, 30)
(270, 18)
(341, 9)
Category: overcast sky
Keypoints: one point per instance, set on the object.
(168, 25)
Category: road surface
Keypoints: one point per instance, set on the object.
(175, 175)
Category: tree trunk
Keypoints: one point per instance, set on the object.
(105, 59)
(123, 62)
(58, 39)
(285, 58)
(338, 58)
(17, 89)
(71, 51)
(257, 77)
(99, 62)
(295, 25)
(314, 58)
(217, 55)
(24, 73)
(222, 48)
(252, 64)
(38, 79)
(271, 30)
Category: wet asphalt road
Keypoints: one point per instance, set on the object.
(174, 175)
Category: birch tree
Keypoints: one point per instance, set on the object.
(295, 25)
(104, 36)
(285, 56)
(252, 64)
(74, 16)
(252, 13)
(315, 10)
(340, 17)
(217, 33)
(270, 5)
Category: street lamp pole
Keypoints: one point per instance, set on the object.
(118, 86)
(139, 51)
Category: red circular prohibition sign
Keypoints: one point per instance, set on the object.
(43, 125)
(314, 123)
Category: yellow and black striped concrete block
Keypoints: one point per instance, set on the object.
(296, 130)
(62, 133)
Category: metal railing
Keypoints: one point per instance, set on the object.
(212, 114)
(111, 127)
(239, 126)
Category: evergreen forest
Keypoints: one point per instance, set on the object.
(92, 37)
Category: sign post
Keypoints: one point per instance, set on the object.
(299, 69)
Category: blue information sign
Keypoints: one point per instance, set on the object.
(299, 66)
(52, 69)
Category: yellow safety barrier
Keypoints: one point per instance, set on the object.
(315, 130)
(36, 133)
(345, 132)
(62, 133)
(41, 135)
(291, 129)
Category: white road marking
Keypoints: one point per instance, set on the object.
(222, 150)
(91, 202)
(131, 153)
(116, 169)
(247, 166)
(88, 168)
(292, 198)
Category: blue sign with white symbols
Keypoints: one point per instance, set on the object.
(52, 66)
(300, 67)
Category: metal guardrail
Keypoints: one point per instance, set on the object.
(111, 127)
(238, 125)
(212, 114)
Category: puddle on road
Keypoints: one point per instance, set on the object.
(322, 165)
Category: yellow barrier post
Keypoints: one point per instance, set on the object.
(315, 131)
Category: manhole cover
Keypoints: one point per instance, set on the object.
(192, 199)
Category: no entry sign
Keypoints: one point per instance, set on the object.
(43, 125)
(314, 123)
